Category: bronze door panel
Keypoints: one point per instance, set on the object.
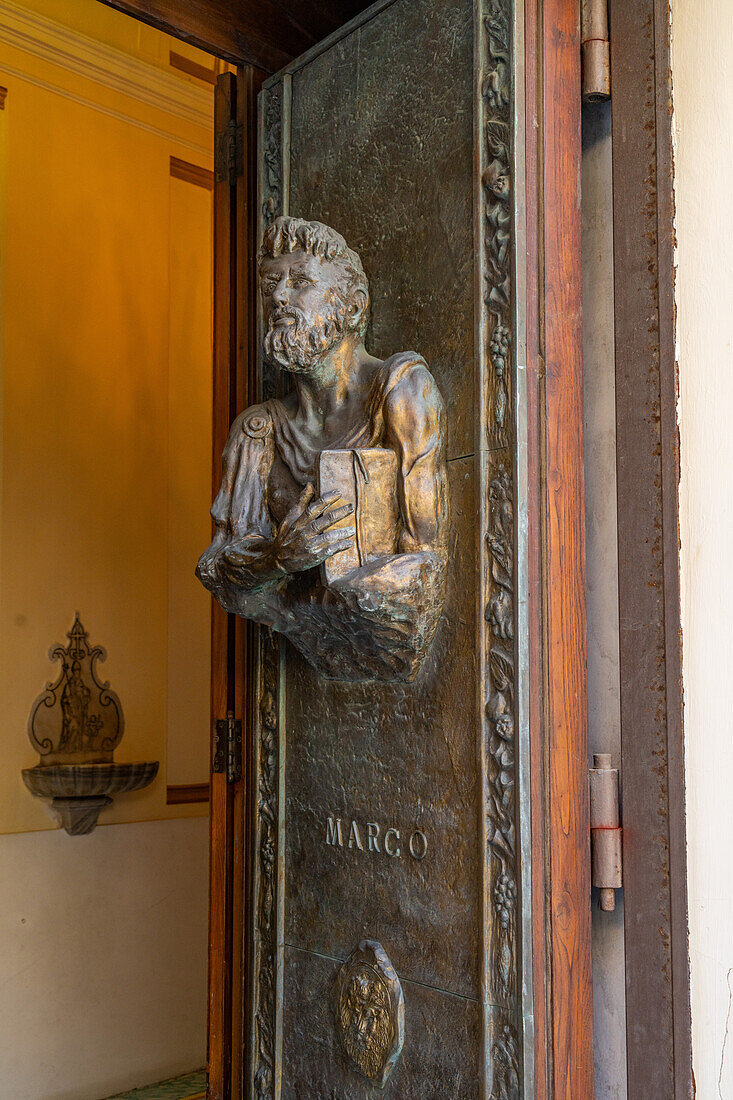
(386, 813)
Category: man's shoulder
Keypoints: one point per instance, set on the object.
(256, 422)
(403, 363)
(407, 377)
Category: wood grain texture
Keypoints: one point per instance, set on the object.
(192, 173)
(221, 811)
(535, 395)
(191, 68)
(652, 746)
(182, 794)
(263, 33)
(565, 655)
(249, 82)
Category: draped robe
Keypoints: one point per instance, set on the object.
(378, 621)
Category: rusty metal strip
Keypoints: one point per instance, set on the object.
(655, 888)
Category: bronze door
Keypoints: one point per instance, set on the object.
(384, 927)
(398, 885)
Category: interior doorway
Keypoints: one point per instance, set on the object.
(106, 224)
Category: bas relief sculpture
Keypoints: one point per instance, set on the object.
(369, 1007)
(332, 517)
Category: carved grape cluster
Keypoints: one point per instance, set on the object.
(505, 896)
(499, 348)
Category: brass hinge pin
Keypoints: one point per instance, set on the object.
(595, 51)
(605, 830)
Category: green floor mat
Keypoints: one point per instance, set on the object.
(178, 1088)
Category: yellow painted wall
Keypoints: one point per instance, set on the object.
(106, 406)
(96, 20)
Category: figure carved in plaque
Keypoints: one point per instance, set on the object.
(74, 706)
(370, 1012)
(332, 518)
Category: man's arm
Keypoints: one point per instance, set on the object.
(247, 554)
(415, 429)
(303, 540)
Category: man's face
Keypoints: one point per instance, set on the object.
(305, 307)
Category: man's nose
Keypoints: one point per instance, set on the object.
(280, 293)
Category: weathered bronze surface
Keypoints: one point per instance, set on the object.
(402, 758)
(358, 439)
(386, 806)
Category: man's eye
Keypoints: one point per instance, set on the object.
(301, 280)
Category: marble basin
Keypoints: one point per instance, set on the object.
(79, 792)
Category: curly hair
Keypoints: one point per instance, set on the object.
(286, 234)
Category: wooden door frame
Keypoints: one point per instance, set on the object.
(244, 33)
(658, 1026)
(234, 352)
(557, 593)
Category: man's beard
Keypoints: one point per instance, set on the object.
(299, 347)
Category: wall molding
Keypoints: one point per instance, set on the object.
(192, 173)
(185, 794)
(77, 53)
(167, 135)
(191, 68)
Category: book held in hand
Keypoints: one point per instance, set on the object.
(366, 478)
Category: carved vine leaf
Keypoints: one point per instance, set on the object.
(501, 807)
(505, 1065)
(499, 612)
(272, 155)
(496, 87)
(272, 198)
(497, 192)
(267, 797)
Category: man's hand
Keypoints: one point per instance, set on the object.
(305, 539)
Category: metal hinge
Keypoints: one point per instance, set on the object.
(595, 51)
(605, 830)
(229, 153)
(228, 747)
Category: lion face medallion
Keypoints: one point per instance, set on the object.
(370, 1012)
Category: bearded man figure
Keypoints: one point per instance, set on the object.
(332, 518)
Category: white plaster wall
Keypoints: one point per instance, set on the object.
(702, 70)
(103, 943)
(604, 722)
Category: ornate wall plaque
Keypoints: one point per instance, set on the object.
(75, 726)
(77, 718)
(391, 806)
(370, 1012)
